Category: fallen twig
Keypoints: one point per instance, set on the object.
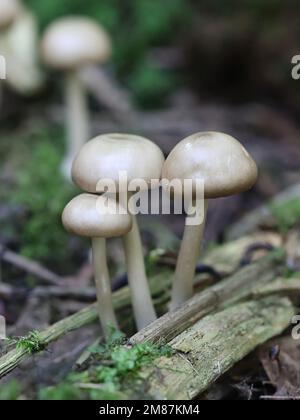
(235, 288)
(31, 267)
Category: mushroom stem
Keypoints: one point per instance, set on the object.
(143, 307)
(183, 288)
(77, 119)
(103, 287)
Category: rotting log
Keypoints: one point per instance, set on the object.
(208, 349)
(231, 290)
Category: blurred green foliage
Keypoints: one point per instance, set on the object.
(135, 27)
(287, 214)
(10, 391)
(41, 192)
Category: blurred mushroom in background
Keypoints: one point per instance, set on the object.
(19, 47)
(71, 44)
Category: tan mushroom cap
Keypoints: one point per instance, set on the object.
(218, 159)
(73, 42)
(106, 156)
(9, 10)
(85, 215)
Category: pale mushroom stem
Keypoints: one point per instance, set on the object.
(143, 308)
(183, 283)
(77, 120)
(1, 93)
(103, 286)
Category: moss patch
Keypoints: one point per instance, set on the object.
(115, 367)
(286, 214)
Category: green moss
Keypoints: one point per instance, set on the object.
(115, 366)
(63, 391)
(151, 86)
(10, 391)
(287, 214)
(31, 343)
(40, 192)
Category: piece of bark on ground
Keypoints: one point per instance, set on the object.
(208, 349)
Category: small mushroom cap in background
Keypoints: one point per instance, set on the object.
(74, 42)
(218, 159)
(87, 215)
(9, 10)
(106, 156)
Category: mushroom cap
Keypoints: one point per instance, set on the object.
(86, 215)
(218, 159)
(73, 42)
(9, 10)
(107, 155)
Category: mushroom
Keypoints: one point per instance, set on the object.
(226, 168)
(18, 44)
(70, 44)
(10, 9)
(105, 157)
(86, 215)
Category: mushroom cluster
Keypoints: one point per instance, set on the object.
(102, 158)
(219, 161)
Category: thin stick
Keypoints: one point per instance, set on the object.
(104, 89)
(29, 266)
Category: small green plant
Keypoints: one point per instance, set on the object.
(125, 363)
(116, 365)
(31, 343)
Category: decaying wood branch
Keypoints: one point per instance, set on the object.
(31, 267)
(213, 345)
(287, 287)
(104, 89)
(235, 288)
(13, 358)
(228, 289)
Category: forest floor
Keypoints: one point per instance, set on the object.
(32, 299)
